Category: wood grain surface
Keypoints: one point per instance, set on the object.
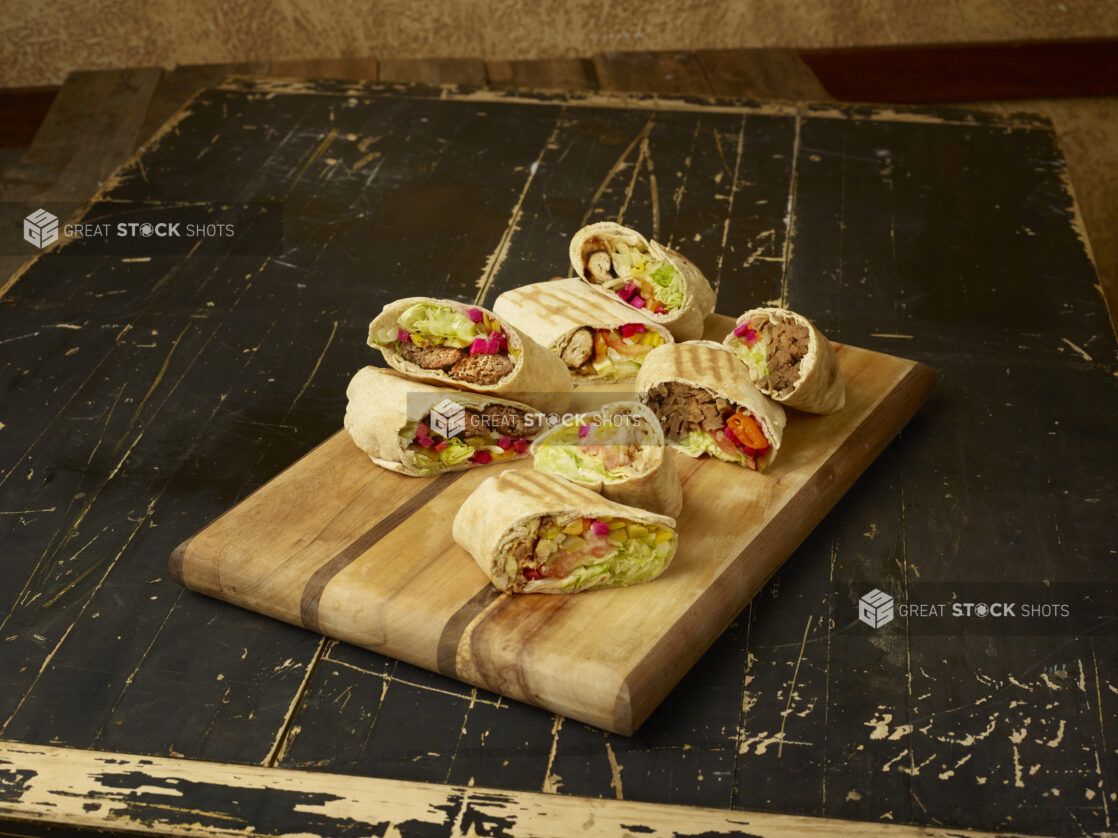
(337, 545)
(146, 394)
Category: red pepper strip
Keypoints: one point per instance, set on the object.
(747, 430)
(531, 574)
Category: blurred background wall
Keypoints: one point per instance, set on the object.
(42, 41)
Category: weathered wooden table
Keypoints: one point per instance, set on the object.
(148, 391)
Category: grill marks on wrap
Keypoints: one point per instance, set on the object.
(548, 302)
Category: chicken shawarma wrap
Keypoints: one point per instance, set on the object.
(661, 283)
(599, 339)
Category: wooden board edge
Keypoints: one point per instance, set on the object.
(47, 785)
(910, 393)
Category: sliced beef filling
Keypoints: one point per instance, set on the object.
(431, 357)
(482, 369)
(578, 349)
(788, 344)
(682, 409)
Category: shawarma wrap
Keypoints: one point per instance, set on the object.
(707, 404)
(598, 338)
(666, 286)
(789, 359)
(420, 430)
(532, 532)
(458, 345)
(619, 451)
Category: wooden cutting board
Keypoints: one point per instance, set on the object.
(364, 555)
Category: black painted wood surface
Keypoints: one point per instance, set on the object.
(144, 396)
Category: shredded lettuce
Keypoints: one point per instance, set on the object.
(569, 461)
(637, 559)
(615, 365)
(628, 260)
(668, 285)
(430, 461)
(447, 325)
(755, 356)
(697, 443)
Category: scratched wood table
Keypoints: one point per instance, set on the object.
(148, 390)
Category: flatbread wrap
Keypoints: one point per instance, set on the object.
(457, 345)
(420, 430)
(598, 338)
(789, 359)
(621, 263)
(617, 450)
(707, 404)
(532, 532)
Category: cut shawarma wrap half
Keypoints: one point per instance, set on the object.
(707, 404)
(532, 532)
(421, 430)
(598, 338)
(617, 450)
(789, 359)
(453, 344)
(622, 264)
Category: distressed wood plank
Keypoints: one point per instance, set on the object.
(544, 74)
(885, 239)
(669, 73)
(760, 73)
(90, 130)
(327, 68)
(87, 789)
(469, 71)
(176, 87)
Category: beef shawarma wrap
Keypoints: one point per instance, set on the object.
(789, 359)
(532, 532)
(707, 404)
(661, 283)
(458, 345)
(617, 450)
(420, 430)
(598, 338)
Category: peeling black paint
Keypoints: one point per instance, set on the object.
(632, 827)
(14, 783)
(476, 821)
(266, 811)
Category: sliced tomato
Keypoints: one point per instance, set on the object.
(726, 444)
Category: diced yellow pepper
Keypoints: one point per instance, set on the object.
(574, 527)
(637, 531)
(663, 535)
(616, 524)
(550, 532)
